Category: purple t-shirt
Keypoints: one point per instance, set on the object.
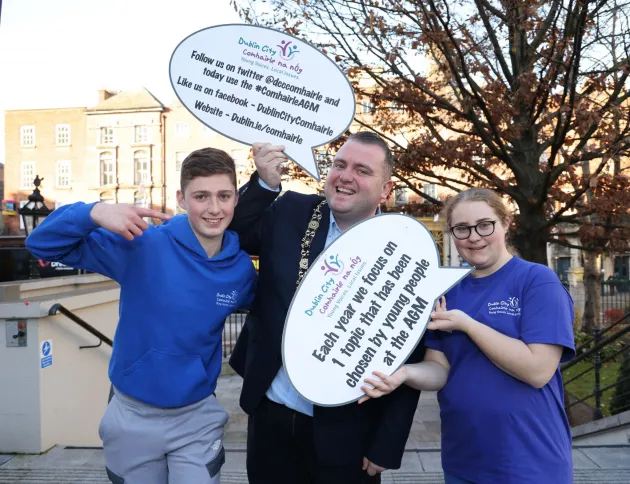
(495, 428)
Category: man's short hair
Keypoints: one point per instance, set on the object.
(371, 138)
(206, 162)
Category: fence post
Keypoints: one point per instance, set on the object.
(597, 412)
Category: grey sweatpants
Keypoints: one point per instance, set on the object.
(150, 445)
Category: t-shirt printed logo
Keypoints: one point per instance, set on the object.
(510, 307)
(227, 300)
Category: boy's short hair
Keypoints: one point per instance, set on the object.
(206, 162)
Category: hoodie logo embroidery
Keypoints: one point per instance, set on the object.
(227, 300)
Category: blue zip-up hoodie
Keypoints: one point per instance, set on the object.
(173, 299)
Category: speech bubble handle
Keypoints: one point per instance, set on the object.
(307, 160)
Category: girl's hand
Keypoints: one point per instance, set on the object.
(385, 385)
(454, 320)
(440, 305)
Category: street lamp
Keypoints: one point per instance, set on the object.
(35, 210)
(32, 214)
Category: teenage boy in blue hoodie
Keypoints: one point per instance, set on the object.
(179, 281)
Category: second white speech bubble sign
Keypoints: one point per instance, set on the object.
(363, 306)
(255, 84)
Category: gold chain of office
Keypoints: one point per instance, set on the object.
(313, 225)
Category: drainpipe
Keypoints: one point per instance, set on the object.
(163, 135)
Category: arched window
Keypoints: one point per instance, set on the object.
(108, 169)
(142, 175)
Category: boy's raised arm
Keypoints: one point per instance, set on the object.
(97, 237)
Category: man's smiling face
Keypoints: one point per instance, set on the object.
(357, 182)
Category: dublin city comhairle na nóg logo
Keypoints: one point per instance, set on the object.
(287, 51)
(332, 265)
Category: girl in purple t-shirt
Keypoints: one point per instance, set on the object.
(494, 356)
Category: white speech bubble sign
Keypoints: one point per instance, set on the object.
(253, 84)
(363, 306)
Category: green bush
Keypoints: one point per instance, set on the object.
(606, 352)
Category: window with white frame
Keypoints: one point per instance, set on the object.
(27, 136)
(401, 195)
(63, 174)
(181, 130)
(367, 106)
(141, 168)
(180, 156)
(108, 170)
(27, 174)
(430, 189)
(107, 135)
(141, 134)
(62, 135)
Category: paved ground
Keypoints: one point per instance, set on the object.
(421, 462)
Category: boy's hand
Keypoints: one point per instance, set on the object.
(268, 159)
(123, 219)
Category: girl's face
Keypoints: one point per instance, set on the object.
(488, 251)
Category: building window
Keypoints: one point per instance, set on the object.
(240, 159)
(181, 130)
(180, 156)
(430, 189)
(108, 170)
(142, 175)
(107, 135)
(27, 136)
(63, 174)
(27, 174)
(141, 134)
(367, 106)
(62, 134)
(401, 196)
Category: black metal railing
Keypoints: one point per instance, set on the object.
(58, 308)
(232, 329)
(605, 350)
(615, 300)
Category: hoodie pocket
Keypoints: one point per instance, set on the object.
(168, 379)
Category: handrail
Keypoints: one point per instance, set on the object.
(602, 332)
(58, 308)
(597, 347)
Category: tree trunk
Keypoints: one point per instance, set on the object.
(529, 240)
(592, 292)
